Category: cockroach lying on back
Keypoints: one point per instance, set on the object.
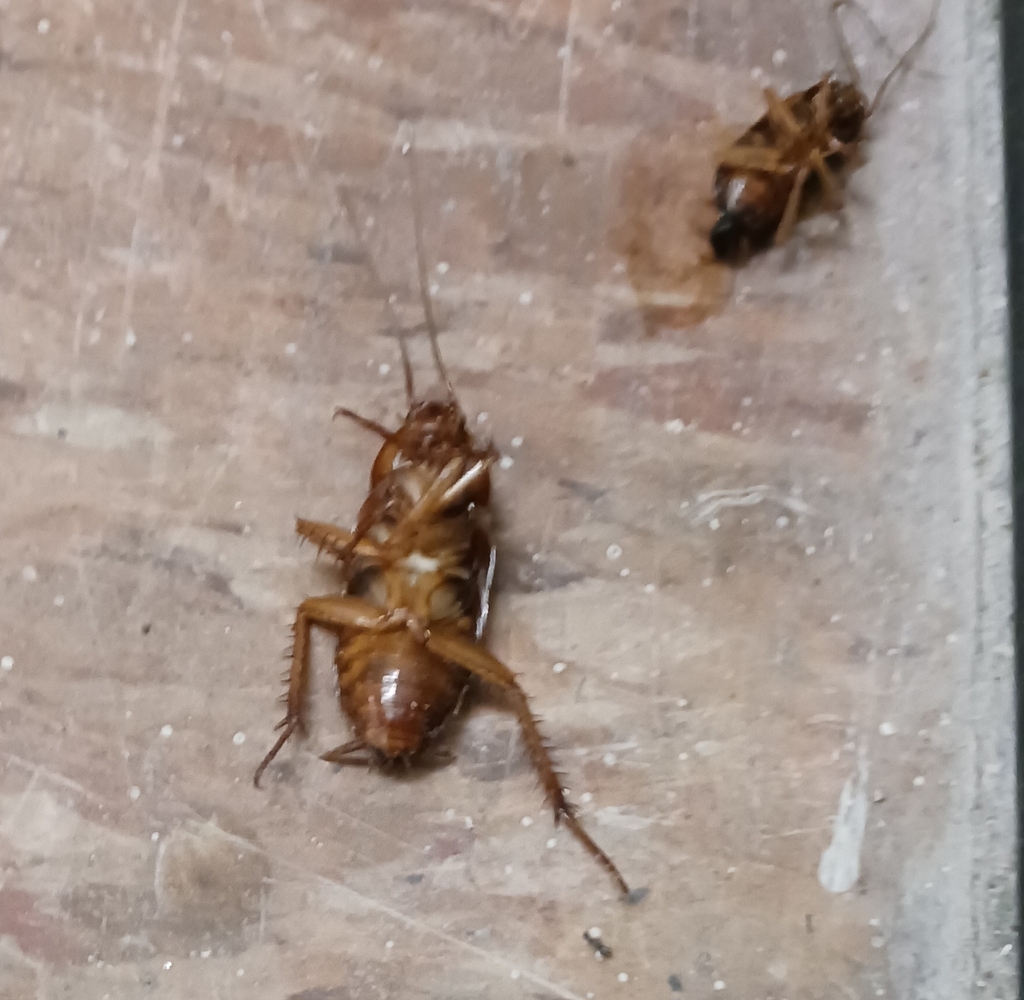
(417, 572)
(764, 179)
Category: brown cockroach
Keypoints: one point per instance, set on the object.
(804, 141)
(417, 571)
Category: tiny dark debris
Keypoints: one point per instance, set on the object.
(675, 984)
(637, 895)
(809, 922)
(146, 628)
(414, 879)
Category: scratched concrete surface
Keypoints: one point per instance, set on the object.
(761, 520)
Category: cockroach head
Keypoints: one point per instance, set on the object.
(849, 111)
(432, 427)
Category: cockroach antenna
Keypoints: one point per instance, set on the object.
(409, 149)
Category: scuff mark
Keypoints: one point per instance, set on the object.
(839, 868)
(709, 504)
(104, 427)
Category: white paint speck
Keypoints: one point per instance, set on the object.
(525, 298)
(514, 973)
(507, 461)
(290, 348)
(737, 425)
(782, 521)
(952, 638)
(240, 972)
(707, 748)
(684, 756)
(58, 601)
(796, 432)
(517, 442)
(442, 267)
(167, 965)
(594, 932)
(675, 426)
(839, 867)
(6, 662)
(559, 667)
(389, 944)
(624, 572)
(134, 792)
(405, 148)
(719, 985)
(887, 729)
(178, 140)
(43, 27)
(586, 797)
(551, 843)
(468, 822)
(206, 953)
(613, 552)
(623, 977)
(238, 739)
(681, 703)
(706, 582)
(130, 340)
(649, 588)
(166, 730)
(779, 57)
(714, 524)
(919, 781)
(30, 574)
(810, 550)
(384, 368)
(481, 418)
(527, 821)
(609, 759)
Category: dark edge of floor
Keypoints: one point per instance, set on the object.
(1013, 120)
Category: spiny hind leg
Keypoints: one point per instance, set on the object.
(459, 649)
(330, 612)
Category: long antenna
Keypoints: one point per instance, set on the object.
(907, 58)
(904, 61)
(392, 318)
(421, 266)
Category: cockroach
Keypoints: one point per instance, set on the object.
(804, 141)
(417, 571)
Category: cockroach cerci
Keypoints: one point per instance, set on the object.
(416, 576)
(796, 150)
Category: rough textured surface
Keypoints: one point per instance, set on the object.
(762, 520)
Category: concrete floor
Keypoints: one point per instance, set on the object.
(762, 519)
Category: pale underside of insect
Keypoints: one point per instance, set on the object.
(416, 571)
(804, 141)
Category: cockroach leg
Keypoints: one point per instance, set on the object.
(330, 538)
(829, 183)
(755, 158)
(461, 650)
(370, 425)
(341, 754)
(780, 114)
(789, 217)
(337, 612)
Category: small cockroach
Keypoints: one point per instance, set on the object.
(417, 571)
(766, 177)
